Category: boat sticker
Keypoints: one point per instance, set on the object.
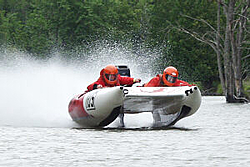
(90, 102)
(153, 91)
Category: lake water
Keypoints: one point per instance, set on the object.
(218, 134)
(36, 129)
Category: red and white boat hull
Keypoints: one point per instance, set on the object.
(97, 108)
(100, 107)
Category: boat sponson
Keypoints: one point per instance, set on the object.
(112, 116)
(183, 113)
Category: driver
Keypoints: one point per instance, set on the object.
(167, 79)
(109, 77)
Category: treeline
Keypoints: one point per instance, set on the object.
(39, 26)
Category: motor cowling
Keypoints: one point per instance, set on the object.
(123, 70)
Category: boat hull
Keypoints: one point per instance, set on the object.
(100, 107)
(97, 108)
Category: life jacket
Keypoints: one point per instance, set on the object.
(120, 81)
(158, 82)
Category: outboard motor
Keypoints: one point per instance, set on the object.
(123, 70)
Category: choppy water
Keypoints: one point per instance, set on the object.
(217, 135)
(36, 129)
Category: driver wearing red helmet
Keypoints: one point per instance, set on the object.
(168, 78)
(109, 77)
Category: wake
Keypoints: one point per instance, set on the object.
(36, 93)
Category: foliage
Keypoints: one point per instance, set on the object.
(195, 60)
(39, 26)
(246, 84)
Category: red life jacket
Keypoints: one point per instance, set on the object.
(120, 81)
(157, 82)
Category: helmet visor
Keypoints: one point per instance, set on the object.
(111, 77)
(170, 78)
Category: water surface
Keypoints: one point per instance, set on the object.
(36, 129)
(218, 134)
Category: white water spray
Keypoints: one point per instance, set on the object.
(36, 93)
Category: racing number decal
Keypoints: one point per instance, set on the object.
(91, 102)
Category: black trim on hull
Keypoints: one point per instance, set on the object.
(184, 112)
(112, 116)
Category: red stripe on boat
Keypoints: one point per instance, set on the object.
(76, 109)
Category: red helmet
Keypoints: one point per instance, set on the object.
(170, 75)
(110, 74)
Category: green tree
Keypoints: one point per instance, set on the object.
(194, 60)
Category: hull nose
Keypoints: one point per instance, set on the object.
(102, 102)
(193, 100)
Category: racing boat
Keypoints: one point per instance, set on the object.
(100, 107)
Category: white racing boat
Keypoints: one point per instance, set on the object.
(100, 107)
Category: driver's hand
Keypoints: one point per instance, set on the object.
(99, 86)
